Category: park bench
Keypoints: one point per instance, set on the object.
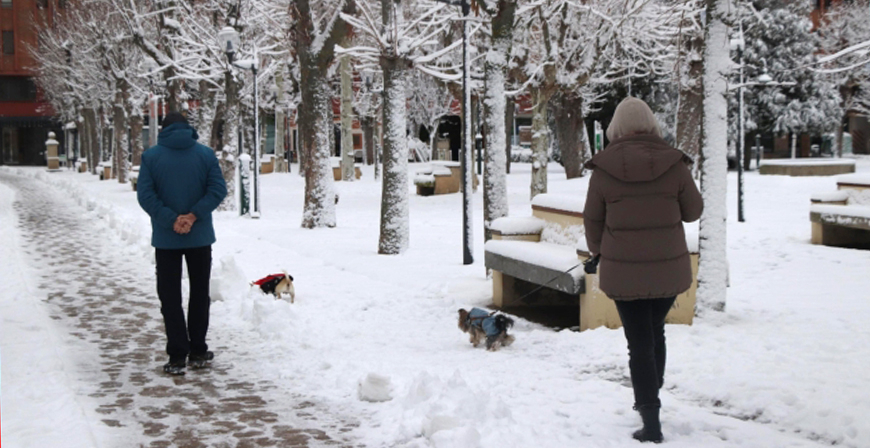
(531, 260)
(841, 218)
(440, 177)
(336, 169)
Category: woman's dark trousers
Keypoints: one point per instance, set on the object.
(644, 323)
(184, 338)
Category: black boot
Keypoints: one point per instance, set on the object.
(652, 427)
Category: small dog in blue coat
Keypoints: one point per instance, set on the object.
(480, 323)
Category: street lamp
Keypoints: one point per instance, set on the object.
(738, 44)
(467, 256)
(228, 38)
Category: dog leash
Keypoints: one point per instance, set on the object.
(590, 266)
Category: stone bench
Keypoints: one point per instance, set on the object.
(807, 167)
(527, 252)
(439, 178)
(842, 218)
(336, 169)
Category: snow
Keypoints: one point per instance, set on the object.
(40, 406)
(830, 196)
(807, 162)
(856, 178)
(567, 202)
(855, 211)
(557, 257)
(783, 366)
(524, 225)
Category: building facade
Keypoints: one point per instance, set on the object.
(25, 119)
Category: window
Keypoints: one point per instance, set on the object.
(8, 42)
(17, 88)
(61, 4)
(42, 4)
(5, 3)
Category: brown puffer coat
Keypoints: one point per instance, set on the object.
(640, 193)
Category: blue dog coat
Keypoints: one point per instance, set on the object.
(481, 318)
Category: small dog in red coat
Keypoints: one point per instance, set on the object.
(277, 285)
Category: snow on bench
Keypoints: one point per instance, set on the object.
(537, 263)
(439, 177)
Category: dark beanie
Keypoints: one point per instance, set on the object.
(174, 117)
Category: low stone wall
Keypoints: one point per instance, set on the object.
(807, 167)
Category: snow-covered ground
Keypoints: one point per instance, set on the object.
(784, 366)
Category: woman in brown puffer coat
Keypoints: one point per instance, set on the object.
(640, 193)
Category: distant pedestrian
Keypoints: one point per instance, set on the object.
(180, 184)
(640, 193)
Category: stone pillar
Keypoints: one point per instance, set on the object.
(51, 153)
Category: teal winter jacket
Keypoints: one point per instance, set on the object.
(176, 177)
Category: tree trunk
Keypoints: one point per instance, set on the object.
(119, 133)
(713, 268)
(347, 172)
(91, 137)
(540, 142)
(571, 134)
(137, 123)
(205, 114)
(690, 112)
(495, 203)
(229, 144)
(315, 125)
(281, 160)
(368, 129)
(394, 238)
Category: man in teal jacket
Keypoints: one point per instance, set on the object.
(180, 183)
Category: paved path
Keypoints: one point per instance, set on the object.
(107, 300)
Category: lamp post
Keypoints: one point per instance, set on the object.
(738, 43)
(467, 256)
(228, 38)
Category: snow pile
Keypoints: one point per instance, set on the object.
(227, 279)
(559, 234)
(446, 413)
(858, 197)
(375, 388)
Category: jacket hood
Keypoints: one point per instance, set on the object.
(178, 136)
(637, 158)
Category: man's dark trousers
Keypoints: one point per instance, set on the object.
(184, 339)
(644, 323)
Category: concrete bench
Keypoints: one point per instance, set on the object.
(807, 167)
(842, 218)
(441, 177)
(336, 169)
(527, 252)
